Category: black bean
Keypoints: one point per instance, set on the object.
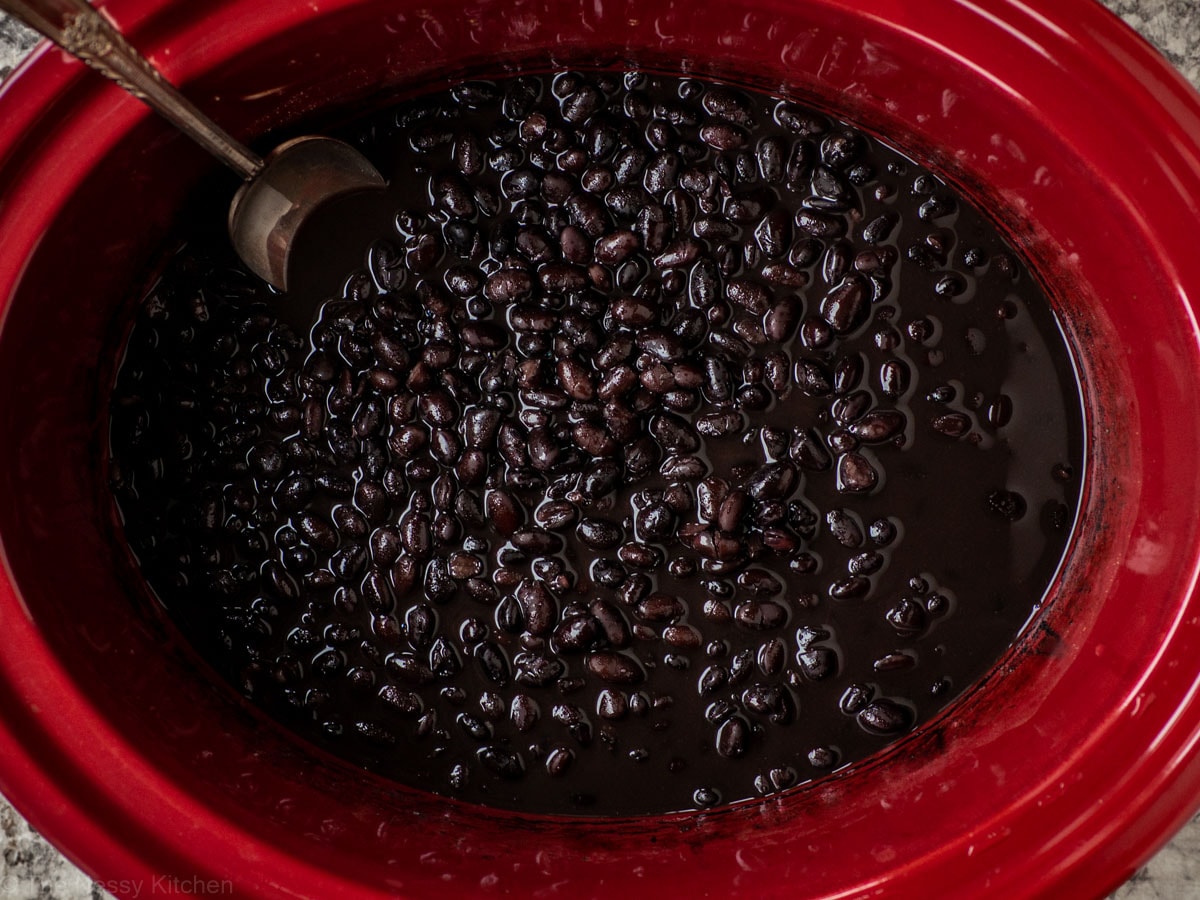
(629, 163)
(576, 634)
(633, 312)
(819, 225)
(534, 542)
(710, 495)
(723, 136)
(612, 623)
(599, 534)
(537, 670)
(377, 592)
(780, 540)
(855, 474)
(589, 214)
(750, 296)
(767, 700)
(657, 378)
(781, 320)
(829, 185)
(885, 717)
(561, 277)
(836, 262)
(617, 381)
(468, 154)
(847, 305)
(733, 738)
(615, 668)
(771, 156)
(556, 515)
(599, 479)
(654, 521)
(506, 763)
(409, 668)
(728, 104)
(894, 662)
(480, 426)
(654, 227)
(503, 511)
(999, 411)
(865, 564)
(660, 607)
(877, 230)
(954, 425)
(404, 703)
(1008, 505)
(760, 615)
(894, 378)
(294, 493)
(537, 606)
(841, 148)
(597, 179)
(854, 587)
(704, 283)
(640, 556)
(660, 344)
(508, 285)
(774, 481)
(661, 172)
(611, 705)
(439, 585)
(732, 510)
(879, 426)
(674, 433)
(712, 679)
(613, 249)
(817, 663)
(677, 254)
(453, 194)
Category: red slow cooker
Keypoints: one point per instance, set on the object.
(1056, 776)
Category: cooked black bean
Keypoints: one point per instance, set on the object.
(760, 615)
(952, 425)
(773, 481)
(733, 738)
(640, 556)
(674, 433)
(1007, 505)
(599, 534)
(819, 225)
(615, 668)
(855, 473)
(894, 378)
(876, 427)
(885, 717)
(723, 136)
(846, 306)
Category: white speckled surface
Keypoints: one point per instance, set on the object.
(31, 869)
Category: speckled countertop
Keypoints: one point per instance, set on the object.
(30, 869)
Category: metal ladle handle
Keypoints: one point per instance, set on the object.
(87, 35)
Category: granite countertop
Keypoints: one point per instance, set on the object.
(31, 869)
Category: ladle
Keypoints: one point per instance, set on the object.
(280, 193)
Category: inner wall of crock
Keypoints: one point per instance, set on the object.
(64, 321)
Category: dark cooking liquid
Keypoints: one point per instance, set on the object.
(675, 446)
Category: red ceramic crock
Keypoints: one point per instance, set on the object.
(1062, 772)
